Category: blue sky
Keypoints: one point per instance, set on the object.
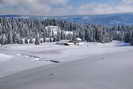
(65, 7)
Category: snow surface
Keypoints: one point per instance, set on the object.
(53, 29)
(4, 57)
(15, 57)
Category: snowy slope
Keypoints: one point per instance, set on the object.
(4, 57)
(22, 57)
(110, 67)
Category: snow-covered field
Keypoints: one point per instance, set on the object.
(4, 57)
(50, 66)
(15, 58)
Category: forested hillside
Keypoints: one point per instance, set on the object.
(13, 30)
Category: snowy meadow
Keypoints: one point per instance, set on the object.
(19, 57)
(89, 65)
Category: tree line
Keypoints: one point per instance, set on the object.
(13, 30)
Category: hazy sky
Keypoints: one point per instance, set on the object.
(65, 7)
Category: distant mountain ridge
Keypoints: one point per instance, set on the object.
(109, 19)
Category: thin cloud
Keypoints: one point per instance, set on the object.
(46, 7)
(124, 6)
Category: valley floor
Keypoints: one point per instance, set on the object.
(50, 66)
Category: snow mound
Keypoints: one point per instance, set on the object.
(114, 44)
(4, 57)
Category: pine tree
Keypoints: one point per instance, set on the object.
(37, 40)
(3, 39)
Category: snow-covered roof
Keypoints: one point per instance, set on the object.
(68, 32)
(78, 39)
(54, 29)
